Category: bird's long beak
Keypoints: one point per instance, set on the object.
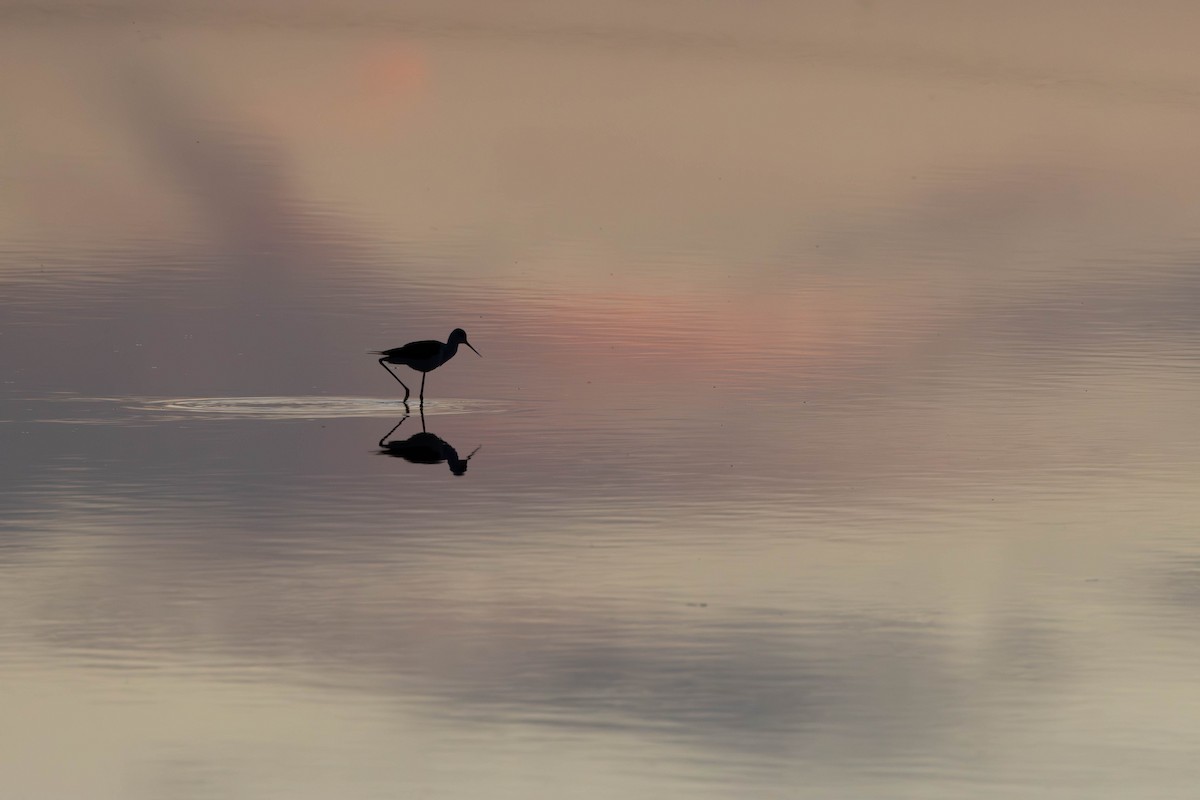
(473, 350)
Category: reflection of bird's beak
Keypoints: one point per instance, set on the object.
(473, 350)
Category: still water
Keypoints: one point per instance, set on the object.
(834, 434)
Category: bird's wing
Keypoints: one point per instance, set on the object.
(416, 350)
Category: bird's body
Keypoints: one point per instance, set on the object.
(423, 356)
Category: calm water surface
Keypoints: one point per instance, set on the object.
(835, 433)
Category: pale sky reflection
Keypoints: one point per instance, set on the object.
(849, 397)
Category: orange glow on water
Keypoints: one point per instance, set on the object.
(398, 70)
(650, 338)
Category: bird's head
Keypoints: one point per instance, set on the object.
(459, 336)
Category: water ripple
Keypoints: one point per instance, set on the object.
(309, 407)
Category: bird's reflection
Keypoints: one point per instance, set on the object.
(424, 448)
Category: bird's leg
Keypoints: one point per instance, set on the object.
(423, 374)
(383, 363)
(393, 430)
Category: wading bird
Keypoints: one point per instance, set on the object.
(423, 356)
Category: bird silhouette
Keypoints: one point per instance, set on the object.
(423, 356)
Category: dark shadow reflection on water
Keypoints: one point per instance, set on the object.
(424, 448)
